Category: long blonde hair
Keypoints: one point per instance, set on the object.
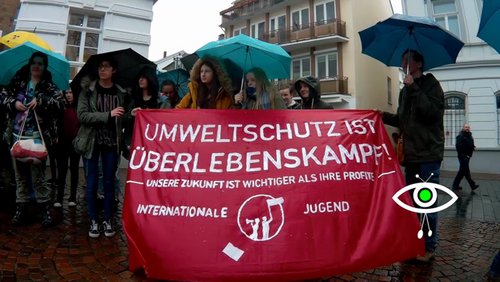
(262, 85)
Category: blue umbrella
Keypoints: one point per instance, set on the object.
(179, 77)
(247, 52)
(387, 40)
(13, 59)
(490, 23)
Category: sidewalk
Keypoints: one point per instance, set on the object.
(469, 234)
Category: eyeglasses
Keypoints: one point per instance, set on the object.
(37, 64)
(104, 66)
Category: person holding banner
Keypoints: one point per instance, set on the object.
(420, 119)
(33, 100)
(144, 96)
(169, 95)
(287, 96)
(258, 93)
(310, 92)
(209, 87)
(101, 106)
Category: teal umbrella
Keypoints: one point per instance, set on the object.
(15, 58)
(180, 78)
(247, 52)
(387, 40)
(490, 23)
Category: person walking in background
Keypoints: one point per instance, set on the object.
(258, 93)
(465, 147)
(420, 119)
(33, 98)
(287, 95)
(310, 92)
(209, 87)
(101, 107)
(68, 129)
(169, 95)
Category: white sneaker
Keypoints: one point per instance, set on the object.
(94, 230)
(108, 229)
(57, 205)
(72, 204)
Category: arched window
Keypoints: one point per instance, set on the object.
(454, 116)
(497, 95)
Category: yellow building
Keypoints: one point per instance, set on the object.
(322, 38)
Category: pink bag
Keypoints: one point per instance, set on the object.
(29, 150)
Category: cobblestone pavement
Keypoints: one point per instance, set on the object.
(469, 237)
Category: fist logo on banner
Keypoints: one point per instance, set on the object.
(261, 217)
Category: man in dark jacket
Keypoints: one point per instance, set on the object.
(420, 119)
(465, 147)
(309, 90)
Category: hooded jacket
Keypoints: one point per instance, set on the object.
(420, 119)
(224, 99)
(314, 100)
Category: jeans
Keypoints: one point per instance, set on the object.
(495, 266)
(30, 178)
(67, 152)
(424, 171)
(109, 159)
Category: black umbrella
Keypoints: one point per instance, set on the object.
(189, 60)
(128, 66)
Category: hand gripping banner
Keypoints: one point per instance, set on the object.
(264, 195)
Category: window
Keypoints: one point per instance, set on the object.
(239, 31)
(454, 116)
(83, 39)
(301, 67)
(277, 27)
(258, 30)
(300, 19)
(326, 65)
(389, 91)
(446, 15)
(325, 13)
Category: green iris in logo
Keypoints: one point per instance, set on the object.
(425, 195)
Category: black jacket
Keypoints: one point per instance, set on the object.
(465, 144)
(314, 100)
(420, 119)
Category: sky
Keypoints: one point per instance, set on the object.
(189, 24)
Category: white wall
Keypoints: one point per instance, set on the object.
(476, 75)
(126, 24)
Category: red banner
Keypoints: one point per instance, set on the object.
(264, 195)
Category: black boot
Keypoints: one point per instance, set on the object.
(19, 215)
(46, 217)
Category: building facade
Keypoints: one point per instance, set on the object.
(8, 13)
(471, 86)
(322, 38)
(80, 28)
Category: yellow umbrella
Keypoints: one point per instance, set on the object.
(19, 37)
